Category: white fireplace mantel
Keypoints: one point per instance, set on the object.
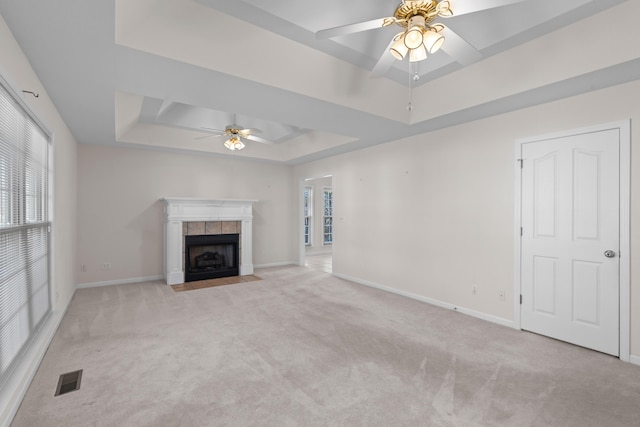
(179, 210)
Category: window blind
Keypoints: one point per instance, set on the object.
(24, 230)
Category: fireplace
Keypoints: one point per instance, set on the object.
(211, 256)
(198, 217)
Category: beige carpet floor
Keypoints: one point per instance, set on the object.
(303, 348)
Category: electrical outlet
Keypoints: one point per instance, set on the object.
(106, 266)
(83, 268)
(474, 289)
(501, 295)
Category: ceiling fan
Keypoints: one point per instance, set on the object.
(235, 135)
(421, 35)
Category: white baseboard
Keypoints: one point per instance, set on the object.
(634, 359)
(17, 384)
(469, 312)
(119, 282)
(276, 264)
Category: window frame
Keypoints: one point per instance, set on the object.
(307, 224)
(327, 216)
(27, 218)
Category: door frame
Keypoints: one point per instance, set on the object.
(624, 128)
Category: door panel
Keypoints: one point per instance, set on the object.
(586, 195)
(544, 285)
(586, 292)
(570, 217)
(545, 196)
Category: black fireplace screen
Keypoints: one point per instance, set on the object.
(211, 256)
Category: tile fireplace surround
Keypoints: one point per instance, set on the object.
(183, 210)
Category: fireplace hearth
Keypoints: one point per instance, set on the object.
(211, 256)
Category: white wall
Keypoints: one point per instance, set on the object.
(120, 215)
(433, 214)
(318, 185)
(15, 68)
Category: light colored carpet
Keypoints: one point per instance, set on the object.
(303, 348)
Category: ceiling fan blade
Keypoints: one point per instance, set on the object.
(207, 136)
(215, 131)
(462, 7)
(246, 132)
(351, 28)
(258, 139)
(457, 48)
(385, 62)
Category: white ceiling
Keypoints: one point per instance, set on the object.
(154, 73)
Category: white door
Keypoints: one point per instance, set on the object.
(570, 239)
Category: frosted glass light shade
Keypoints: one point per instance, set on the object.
(433, 41)
(234, 143)
(413, 36)
(398, 49)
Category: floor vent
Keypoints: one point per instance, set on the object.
(69, 382)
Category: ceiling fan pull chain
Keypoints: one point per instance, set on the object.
(410, 104)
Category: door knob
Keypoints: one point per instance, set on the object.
(610, 254)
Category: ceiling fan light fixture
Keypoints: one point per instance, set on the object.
(413, 36)
(418, 54)
(234, 143)
(398, 49)
(433, 40)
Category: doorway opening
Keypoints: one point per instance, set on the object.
(317, 223)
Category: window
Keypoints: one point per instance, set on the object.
(24, 230)
(327, 201)
(308, 215)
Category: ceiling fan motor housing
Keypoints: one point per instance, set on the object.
(409, 9)
(233, 129)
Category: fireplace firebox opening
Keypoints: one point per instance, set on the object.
(211, 256)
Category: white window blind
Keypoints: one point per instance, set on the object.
(24, 230)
